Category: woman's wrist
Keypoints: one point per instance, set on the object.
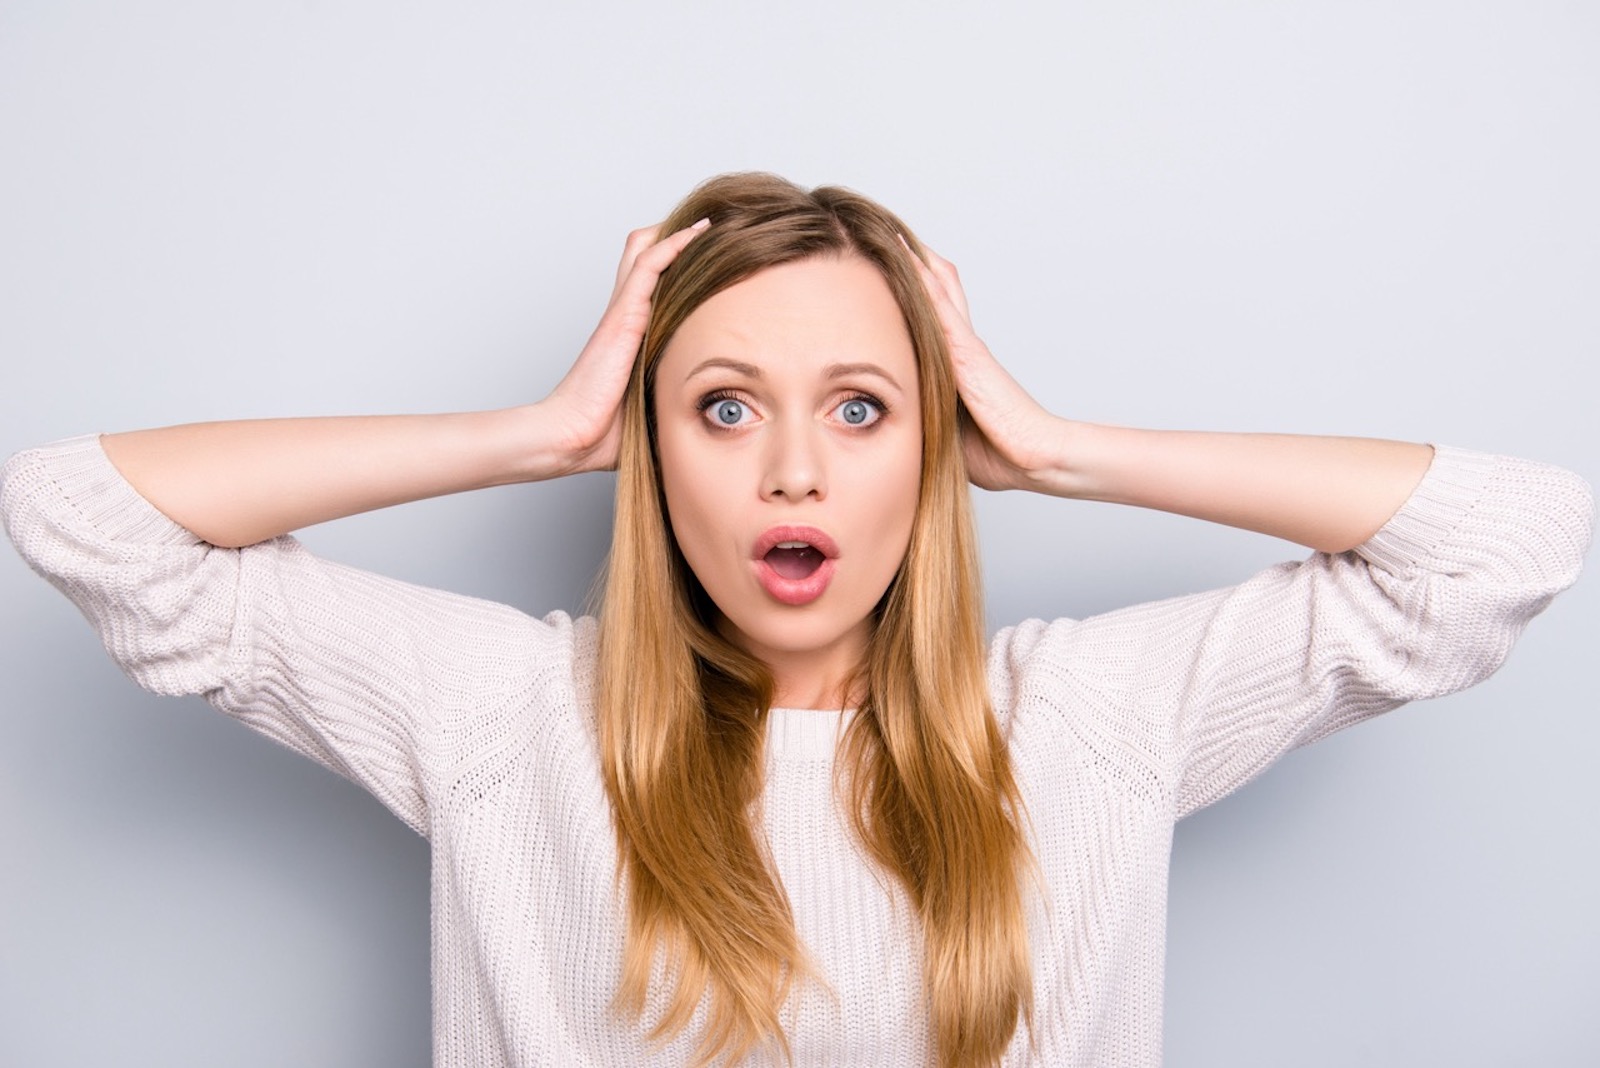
(1061, 461)
(544, 443)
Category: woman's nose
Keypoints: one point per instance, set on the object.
(794, 468)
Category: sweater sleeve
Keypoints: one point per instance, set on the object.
(371, 677)
(1183, 701)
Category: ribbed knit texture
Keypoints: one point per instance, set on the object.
(474, 724)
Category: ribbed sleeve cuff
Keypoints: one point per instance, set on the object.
(1453, 484)
(90, 483)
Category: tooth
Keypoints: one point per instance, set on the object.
(794, 545)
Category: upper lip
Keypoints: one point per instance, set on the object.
(810, 535)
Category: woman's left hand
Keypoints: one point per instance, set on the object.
(1005, 433)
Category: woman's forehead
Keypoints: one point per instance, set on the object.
(828, 316)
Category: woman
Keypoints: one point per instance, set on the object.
(775, 802)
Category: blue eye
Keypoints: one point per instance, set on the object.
(727, 412)
(859, 411)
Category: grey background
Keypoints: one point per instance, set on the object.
(1359, 218)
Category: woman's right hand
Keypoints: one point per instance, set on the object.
(586, 405)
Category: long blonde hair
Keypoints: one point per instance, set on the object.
(683, 712)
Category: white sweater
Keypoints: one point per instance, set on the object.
(473, 723)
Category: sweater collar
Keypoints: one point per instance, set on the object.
(805, 733)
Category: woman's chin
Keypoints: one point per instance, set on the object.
(797, 633)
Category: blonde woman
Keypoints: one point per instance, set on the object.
(780, 801)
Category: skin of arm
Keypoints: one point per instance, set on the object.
(237, 483)
(1328, 493)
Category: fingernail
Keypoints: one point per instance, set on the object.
(702, 224)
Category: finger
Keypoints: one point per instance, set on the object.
(935, 285)
(648, 263)
(952, 315)
(945, 271)
(628, 313)
(637, 242)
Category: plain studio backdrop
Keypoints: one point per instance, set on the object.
(1372, 219)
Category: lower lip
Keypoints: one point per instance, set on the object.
(794, 591)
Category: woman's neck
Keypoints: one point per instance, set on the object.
(828, 677)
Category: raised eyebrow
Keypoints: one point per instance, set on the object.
(749, 370)
(845, 370)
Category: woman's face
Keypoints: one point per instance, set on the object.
(790, 439)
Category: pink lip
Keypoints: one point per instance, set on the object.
(810, 535)
(795, 591)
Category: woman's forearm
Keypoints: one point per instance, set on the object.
(236, 483)
(1328, 493)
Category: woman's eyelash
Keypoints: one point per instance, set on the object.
(877, 402)
(717, 395)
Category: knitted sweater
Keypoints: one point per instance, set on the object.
(474, 724)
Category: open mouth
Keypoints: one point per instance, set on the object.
(795, 564)
(794, 559)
